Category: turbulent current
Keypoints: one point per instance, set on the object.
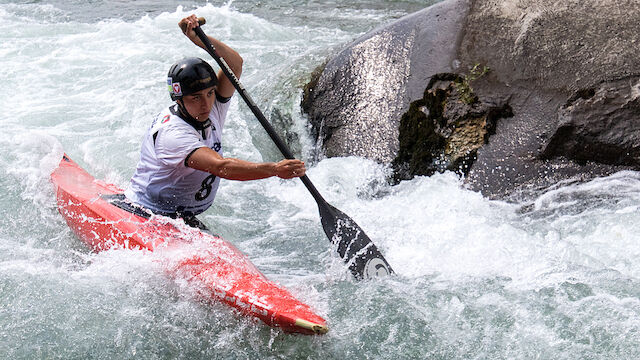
(553, 277)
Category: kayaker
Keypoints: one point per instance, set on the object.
(181, 160)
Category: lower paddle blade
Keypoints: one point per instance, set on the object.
(353, 245)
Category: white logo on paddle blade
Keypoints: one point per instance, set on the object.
(375, 267)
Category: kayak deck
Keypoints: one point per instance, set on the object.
(218, 268)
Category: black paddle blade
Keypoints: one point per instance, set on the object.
(354, 246)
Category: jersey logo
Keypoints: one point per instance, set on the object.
(165, 119)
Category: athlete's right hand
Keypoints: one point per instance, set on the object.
(288, 169)
(188, 24)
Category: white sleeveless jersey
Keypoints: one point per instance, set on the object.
(162, 181)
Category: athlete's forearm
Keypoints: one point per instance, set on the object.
(236, 169)
(206, 159)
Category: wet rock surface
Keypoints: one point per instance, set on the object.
(597, 125)
(567, 70)
(356, 104)
(542, 53)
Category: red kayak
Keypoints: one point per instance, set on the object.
(93, 210)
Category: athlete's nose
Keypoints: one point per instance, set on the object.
(204, 104)
(208, 103)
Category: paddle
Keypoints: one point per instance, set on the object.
(353, 245)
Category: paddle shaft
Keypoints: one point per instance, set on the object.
(353, 245)
(256, 111)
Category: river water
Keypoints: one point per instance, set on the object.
(554, 277)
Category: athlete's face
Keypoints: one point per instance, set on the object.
(199, 104)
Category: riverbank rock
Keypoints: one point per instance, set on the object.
(568, 71)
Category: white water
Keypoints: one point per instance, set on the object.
(553, 278)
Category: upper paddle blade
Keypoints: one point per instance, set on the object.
(354, 246)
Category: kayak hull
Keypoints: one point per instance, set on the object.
(217, 268)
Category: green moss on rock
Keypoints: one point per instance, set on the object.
(443, 132)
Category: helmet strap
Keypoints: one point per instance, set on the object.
(184, 114)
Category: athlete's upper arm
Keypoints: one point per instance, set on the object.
(225, 86)
(173, 146)
(204, 159)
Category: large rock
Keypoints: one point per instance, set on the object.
(568, 71)
(541, 53)
(356, 105)
(555, 45)
(594, 125)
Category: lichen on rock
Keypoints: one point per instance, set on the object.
(442, 132)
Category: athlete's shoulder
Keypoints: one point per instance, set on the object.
(218, 114)
(170, 119)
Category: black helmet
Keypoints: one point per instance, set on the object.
(188, 76)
